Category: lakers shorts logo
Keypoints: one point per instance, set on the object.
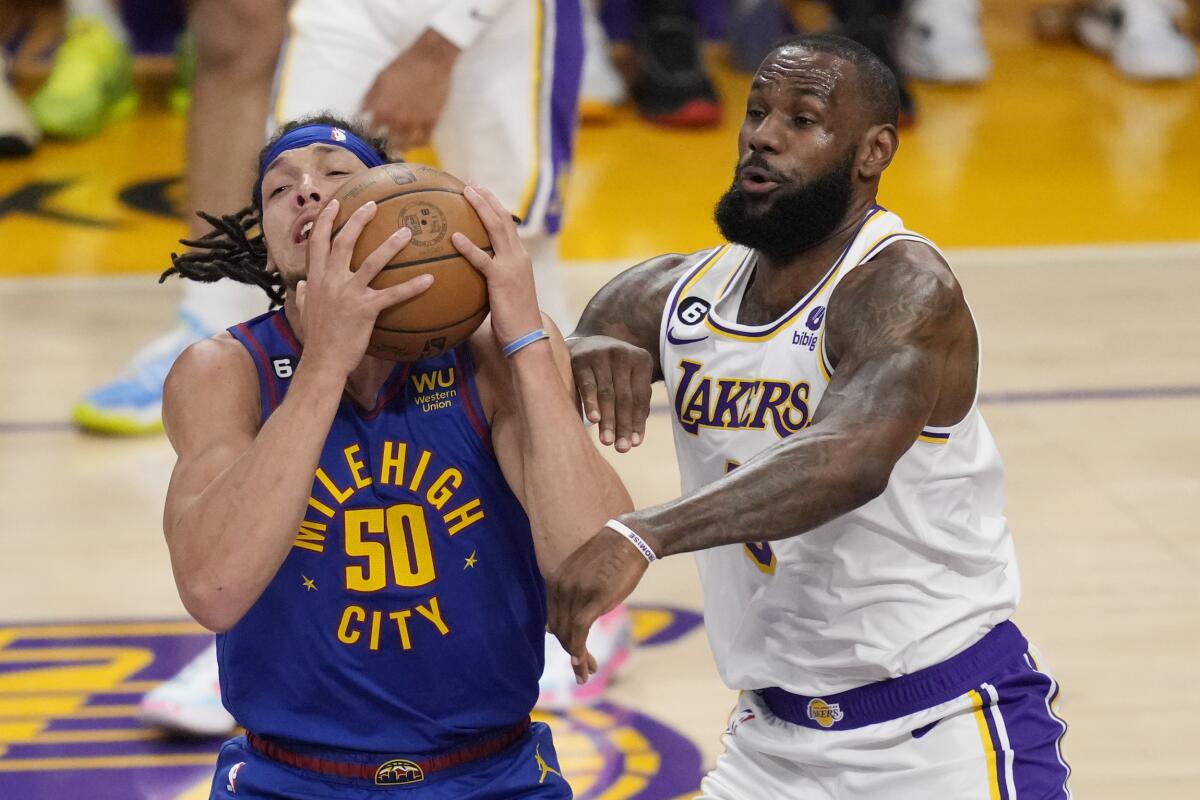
(398, 772)
(824, 714)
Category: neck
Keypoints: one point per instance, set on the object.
(779, 281)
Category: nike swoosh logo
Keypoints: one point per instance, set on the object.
(671, 338)
(478, 15)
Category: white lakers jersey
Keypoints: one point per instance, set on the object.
(903, 582)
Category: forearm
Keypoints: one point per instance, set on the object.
(229, 542)
(570, 491)
(783, 492)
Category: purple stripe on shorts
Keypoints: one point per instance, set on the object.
(564, 106)
(1034, 732)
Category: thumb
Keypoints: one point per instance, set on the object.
(301, 296)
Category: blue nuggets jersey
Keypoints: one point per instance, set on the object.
(410, 614)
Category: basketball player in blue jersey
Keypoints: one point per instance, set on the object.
(842, 493)
(381, 624)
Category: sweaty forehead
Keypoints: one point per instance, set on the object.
(802, 70)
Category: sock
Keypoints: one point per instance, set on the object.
(216, 306)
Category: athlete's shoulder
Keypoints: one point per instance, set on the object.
(912, 270)
(217, 374)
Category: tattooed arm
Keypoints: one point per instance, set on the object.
(614, 350)
(904, 340)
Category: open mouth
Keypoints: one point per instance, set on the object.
(755, 180)
(304, 231)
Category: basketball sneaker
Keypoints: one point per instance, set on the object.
(189, 703)
(131, 405)
(609, 640)
(90, 84)
(1141, 36)
(940, 40)
(673, 87)
(601, 87)
(18, 135)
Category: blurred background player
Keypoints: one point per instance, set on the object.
(940, 40)
(487, 84)
(18, 133)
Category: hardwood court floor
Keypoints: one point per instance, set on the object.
(1067, 198)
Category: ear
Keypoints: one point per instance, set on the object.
(876, 150)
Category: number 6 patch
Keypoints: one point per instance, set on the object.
(284, 366)
(692, 310)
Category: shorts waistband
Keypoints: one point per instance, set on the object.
(907, 694)
(385, 770)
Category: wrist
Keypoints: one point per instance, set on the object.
(434, 45)
(646, 530)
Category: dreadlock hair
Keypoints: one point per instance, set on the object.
(235, 248)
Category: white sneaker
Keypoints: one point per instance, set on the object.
(131, 404)
(601, 88)
(190, 702)
(18, 134)
(940, 41)
(1141, 36)
(609, 640)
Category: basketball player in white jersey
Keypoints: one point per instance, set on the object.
(842, 493)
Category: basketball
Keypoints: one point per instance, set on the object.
(429, 202)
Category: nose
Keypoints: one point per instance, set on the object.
(765, 136)
(307, 191)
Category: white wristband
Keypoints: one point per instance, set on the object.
(630, 534)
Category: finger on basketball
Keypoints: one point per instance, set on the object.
(479, 259)
(384, 298)
(343, 242)
(318, 238)
(381, 256)
(495, 219)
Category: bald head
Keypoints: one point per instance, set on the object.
(874, 87)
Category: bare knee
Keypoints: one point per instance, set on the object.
(237, 39)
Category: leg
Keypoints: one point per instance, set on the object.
(237, 46)
(519, 142)
(236, 42)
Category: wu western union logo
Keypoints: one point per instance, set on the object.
(824, 714)
(435, 389)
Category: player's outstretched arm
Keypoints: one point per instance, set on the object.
(897, 327)
(614, 350)
(564, 484)
(238, 493)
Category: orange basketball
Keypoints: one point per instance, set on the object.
(429, 202)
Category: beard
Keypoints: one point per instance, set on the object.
(797, 217)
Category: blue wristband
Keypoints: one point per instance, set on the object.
(526, 340)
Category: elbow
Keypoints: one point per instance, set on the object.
(207, 606)
(867, 479)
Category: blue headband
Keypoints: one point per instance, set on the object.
(317, 134)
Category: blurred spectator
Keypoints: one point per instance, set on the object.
(91, 82)
(1142, 37)
(602, 88)
(940, 40)
(672, 86)
(18, 135)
